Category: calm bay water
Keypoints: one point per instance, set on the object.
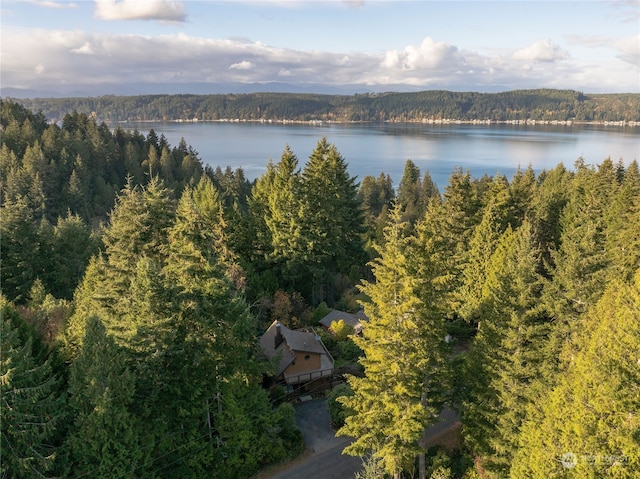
(372, 149)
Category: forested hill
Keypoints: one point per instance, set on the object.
(538, 105)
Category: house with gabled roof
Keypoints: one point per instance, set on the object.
(354, 320)
(301, 356)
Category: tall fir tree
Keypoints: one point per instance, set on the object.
(587, 425)
(104, 440)
(32, 404)
(284, 221)
(73, 245)
(402, 341)
(137, 232)
(546, 208)
(333, 224)
(376, 196)
(623, 225)
(580, 262)
(21, 251)
(507, 355)
(208, 350)
(409, 191)
(496, 218)
(444, 234)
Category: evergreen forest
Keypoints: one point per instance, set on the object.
(136, 283)
(433, 105)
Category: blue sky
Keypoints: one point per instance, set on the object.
(104, 45)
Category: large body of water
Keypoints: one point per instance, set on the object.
(372, 149)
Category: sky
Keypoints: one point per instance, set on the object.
(171, 46)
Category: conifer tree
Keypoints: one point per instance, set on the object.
(428, 192)
(255, 258)
(444, 235)
(332, 219)
(376, 196)
(522, 190)
(546, 208)
(32, 406)
(623, 225)
(580, 262)
(138, 225)
(409, 191)
(374, 193)
(586, 426)
(166, 165)
(507, 356)
(284, 221)
(73, 244)
(482, 244)
(20, 250)
(415, 194)
(137, 233)
(104, 440)
(402, 342)
(208, 203)
(206, 350)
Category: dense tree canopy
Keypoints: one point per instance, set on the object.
(135, 284)
(544, 104)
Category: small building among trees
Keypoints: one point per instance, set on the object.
(354, 320)
(301, 356)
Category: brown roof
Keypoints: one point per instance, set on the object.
(353, 320)
(302, 341)
(293, 341)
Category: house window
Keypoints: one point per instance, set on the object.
(307, 357)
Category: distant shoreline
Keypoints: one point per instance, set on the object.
(531, 122)
(433, 107)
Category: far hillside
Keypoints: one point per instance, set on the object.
(519, 105)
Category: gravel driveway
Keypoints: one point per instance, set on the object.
(323, 458)
(314, 422)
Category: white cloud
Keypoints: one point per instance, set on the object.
(162, 10)
(629, 50)
(85, 49)
(85, 59)
(243, 65)
(429, 55)
(541, 51)
(53, 4)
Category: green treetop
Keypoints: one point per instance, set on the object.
(399, 395)
(587, 425)
(32, 407)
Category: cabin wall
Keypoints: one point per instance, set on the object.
(302, 365)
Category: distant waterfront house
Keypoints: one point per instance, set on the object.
(301, 355)
(353, 320)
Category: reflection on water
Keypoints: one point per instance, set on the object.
(372, 149)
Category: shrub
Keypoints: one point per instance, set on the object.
(340, 330)
(337, 411)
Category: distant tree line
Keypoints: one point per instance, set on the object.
(539, 105)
